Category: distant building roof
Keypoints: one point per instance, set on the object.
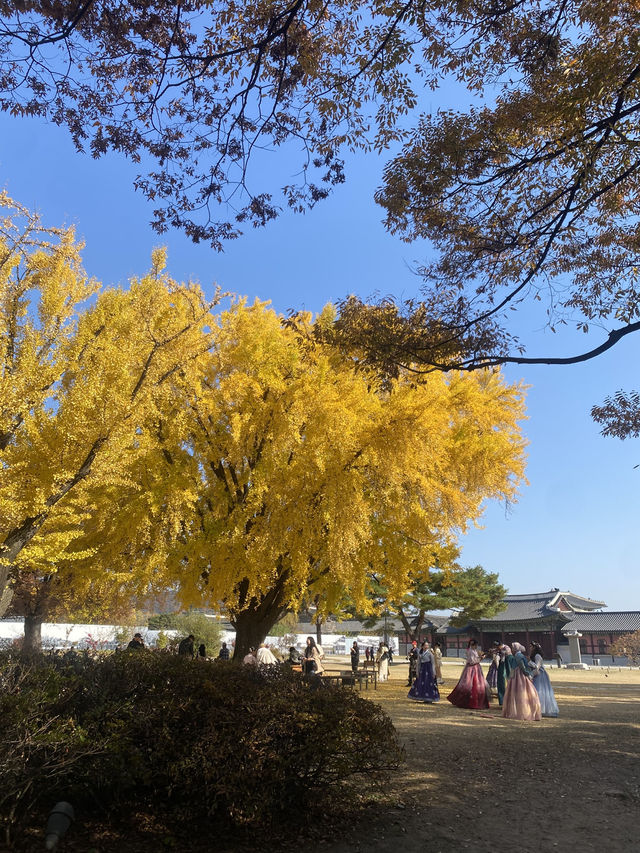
(536, 606)
(622, 620)
(574, 602)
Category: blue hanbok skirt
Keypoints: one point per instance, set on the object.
(548, 703)
(425, 687)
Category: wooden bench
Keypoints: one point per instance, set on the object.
(349, 678)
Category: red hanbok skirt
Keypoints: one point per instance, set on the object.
(472, 690)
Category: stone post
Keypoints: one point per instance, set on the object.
(574, 651)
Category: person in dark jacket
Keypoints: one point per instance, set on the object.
(355, 656)
(223, 654)
(185, 647)
(412, 657)
(137, 643)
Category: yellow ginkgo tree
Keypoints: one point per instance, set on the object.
(282, 473)
(80, 368)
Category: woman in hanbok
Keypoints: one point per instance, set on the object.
(521, 700)
(504, 670)
(492, 674)
(382, 659)
(437, 657)
(541, 682)
(472, 690)
(425, 687)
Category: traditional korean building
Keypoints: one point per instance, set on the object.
(542, 617)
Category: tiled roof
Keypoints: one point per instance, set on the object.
(621, 620)
(579, 602)
(525, 607)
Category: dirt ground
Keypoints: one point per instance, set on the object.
(477, 782)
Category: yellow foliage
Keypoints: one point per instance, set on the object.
(282, 472)
(80, 368)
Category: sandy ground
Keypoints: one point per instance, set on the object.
(477, 782)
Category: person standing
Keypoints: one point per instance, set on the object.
(492, 674)
(425, 687)
(382, 660)
(185, 646)
(412, 657)
(355, 656)
(521, 700)
(137, 643)
(504, 670)
(223, 654)
(312, 663)
(472, 690)
(437, 657)
(548, 704)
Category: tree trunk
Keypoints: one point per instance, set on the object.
(32, 635)
(6, 596)
(319, 631)
(252, 626)
(413, 634)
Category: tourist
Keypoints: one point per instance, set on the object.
(366, 653)
(185, 646)
(295, 657)
(250, 658)
(504, 670)
(382, 660)
(412, 657)
(137, 643)
(312, 663)
(265, 657)
(492, 674)
(548, 704)
(223, 654)
(425, 687)
(472, 690)
(202, 652)
(437, 657)
(521, 700)
(355, 656)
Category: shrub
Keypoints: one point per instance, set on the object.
(190, 740)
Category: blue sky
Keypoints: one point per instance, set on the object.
(576, 524)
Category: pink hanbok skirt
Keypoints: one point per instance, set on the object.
(521, 700)
(472, 690)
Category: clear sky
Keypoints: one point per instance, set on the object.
(576, 525)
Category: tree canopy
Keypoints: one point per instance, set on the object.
(80, 368)
(530, 193)
(283, 474)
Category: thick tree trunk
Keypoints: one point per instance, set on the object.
(6, 595)
(252, 626)
(412, 633)
(32, 635)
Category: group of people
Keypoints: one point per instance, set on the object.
(380, 658)
(522, 683)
